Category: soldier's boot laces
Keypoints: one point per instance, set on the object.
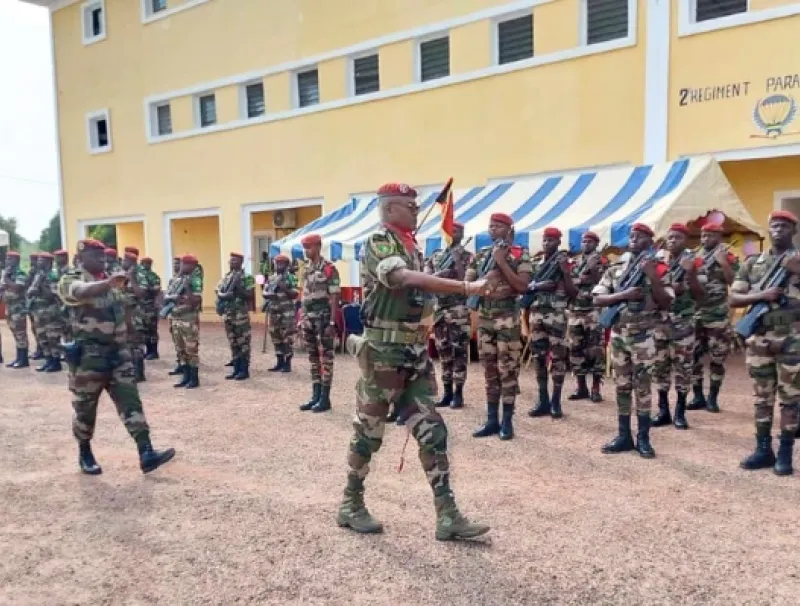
(150, 460)
(177, 371)
(186, 377)
(582, 391)
(624, 440)
(663, 417)
(287, 364)
(324, 402)
(762, 457)
(244, 371)
(55, 365)
(492, 425)
(452, 525)
(22, 359)
(680, 421)
(699, 400)
(543, 408)
(713, 394)
(597, 384)
(317, 390)
(458, 397)
(783, 463)
(555, 403)
(194, 378)
(353, 514)
(447, 398)
(86, 459)
(234, 371)
(643, 446)
(507, 425)
(278, 364)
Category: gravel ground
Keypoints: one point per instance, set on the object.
(244, 514)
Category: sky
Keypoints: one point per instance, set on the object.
(28, 166)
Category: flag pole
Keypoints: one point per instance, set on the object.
(440, 198)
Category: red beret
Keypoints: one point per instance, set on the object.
(679, 227)
(110, 251)
(131, 256)
(91, 244)
(502, 218)
(713, 227)
(132, 249)
(12, 253)
(61, 253)
(389, 190)
(642, 229)
(311, 239)
(146, 260)
(783, 214)
(45, 255)
(552, 232)
(35, 255)
(591, 236)
(281, 258)
(236, 255)
(189, 259)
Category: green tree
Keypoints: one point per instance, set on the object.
(10, 226)
(50, 238)
(107, 234)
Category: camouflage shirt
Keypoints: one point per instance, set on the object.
(583, 300)
(238, 303)
(557, 300)
(320, 281)
(520, 262)
(191, 284)
(47, 293)
(752, 272)
(683, 305)
(434, 265)
(280, 303)
(153, 284)
(15, 301)
(716, 286)
(97, 323)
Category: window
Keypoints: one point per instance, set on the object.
(515, 39)
(704, 10)
(99, 131)
(434, 59)
(606, 20)
(254, 99)
(93, 20)
(365, 75)
(156, 6)
(163, 120)
(207, 110)
(308, 88)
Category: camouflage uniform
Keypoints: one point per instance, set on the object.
(236, 315)
(282, 319)
(37, 332)
(150, 312)
(62, 271)
(47, 309)
(16, 316)
(137, 331)
(186, 331)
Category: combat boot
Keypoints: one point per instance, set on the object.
(680, 412)
(287, 364)
(186, 377)
(783, 463)
(582, 392)
(235, 371)
(139, 369)
(278, 364)
(543, 408)
(451, 524)
(699, 400)
(507, 426)
(458, 397)
(86, 460)
(152, 352)
(663, 417)
(244, 371)
(324, 402)
(492, 425)
(232, 363)
(643, 438)
(38, 355)
(597, 383)
(45, 366)
(353, 513)
(22, 359)
(447, 398)
(763, 456)
(178, 370)
(55, 365)
(713, 393)
(317, 391)
(194, 378)
(555, 402)
(797, 433)
(624, 440)
(150, 460)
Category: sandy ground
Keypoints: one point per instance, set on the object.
(245, 513)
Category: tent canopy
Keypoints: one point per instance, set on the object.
(3, 238)
(607, 202)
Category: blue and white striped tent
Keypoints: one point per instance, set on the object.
(606, 201)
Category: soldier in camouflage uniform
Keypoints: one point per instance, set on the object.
(99, 358)
(174, 283)
(548, 322)
(451, 319)
(395, 368)
(46, 308)
(321, 288)
(280, 293)
(186, 320)
(236, 292)
(150, 308)
(633, 346)
(14, 281)
(499, 323)
(675, 335)
(772, 351)
(585, 336)
(135, 293)
(113, 263)
(712, 319)
(33, 264)
(62, 268)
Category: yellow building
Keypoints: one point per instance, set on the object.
(194, 124)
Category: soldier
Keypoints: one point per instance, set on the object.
(321, 288)
(280, 293)
(632, 341)
(498, 322)
(188, 300)
(395, 368)
(451, 320)
(133, 294)
(150, 308)
(33, 261)
(14, 280)
(712, 319)
(99, 358)
(585, 336)
(112, 261)
(552, 290)
(172, 287)
(675, 335)
(46, 307)
(236, 292)
(771, 351)
(61, 262)
(62, 268)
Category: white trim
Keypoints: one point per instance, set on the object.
(687, 26)
(153, 117)
(295, 89)
(750, 153)
(779, 196)
(195, 213)
(62, 208)
(87, 6)
(197, 114)
(83, 225)
(417, 54)
(351, 72)
(243, 105)
(656, 82)
(90, 118)
(149, 17)
(633, 23)
(494, 38)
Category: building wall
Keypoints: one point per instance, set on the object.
(132, 234)
(757, 181)
(200, 237)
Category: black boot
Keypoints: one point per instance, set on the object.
(38, 355)
(55, 365)
(543, 408)
(287, 364)
(232, 363)
(86, 460)
(597, 384)
(797, 433)
(492, 425)
(624, 440)
(236, 367)
(699, 400)
(278, 364)
(324, 402)
(317, 392)
(713, 393)
(643, 438)
(555, 402)
(783, 464)
(178, 370)
(152, 352)
(44, 367)
(150, 460)
(507, 427)
(447, 398)
(663, 417)
(186, 377)
(139, 368)
(458, 397)
(582, 392)
(21, 361)
(244, 371)
(14, 361)
(680, 412)
(194, 378)
(763, 456)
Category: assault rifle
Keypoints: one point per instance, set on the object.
(776, 277)
(678, 273)
(222, 304)
(448, 260)
(548, 272)
(474, 301)
(633, 276)
(177, 288)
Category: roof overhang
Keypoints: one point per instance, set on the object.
(53, 5)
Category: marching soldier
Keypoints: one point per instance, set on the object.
(321, 288)
(62, 268)
(150, 308)
(112, 261)
(173, 287)
(772, 350)
(46, 309)
(188, 301)
(585, 336)
(99, 358)
(280, 293)
(498, 322)
(235, 293)
(33, 260)
(632, 341)
(14, 280)
(395, 368)
(712, 319)
(133, 294)
(552, 290)
(675, 336)
(451, 319)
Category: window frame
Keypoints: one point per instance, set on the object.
(351, 72)
(92, 118)
(584, 24)
(244, 104)
(198, 110)
(418, 55)
(155, 130)
(86, 11)
(296, 86)
(495, 37)
(693, 13)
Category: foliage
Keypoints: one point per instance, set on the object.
(50, 238)
(10, 225)
(105, 233)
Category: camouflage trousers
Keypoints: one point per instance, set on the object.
(586, 342)
(36, 333)
(316, 331)
(773, 361)
(186, 334)
(137, 334)
(174, 340)
(401, 376)
(548, 335)
(87, 382)
(500, 348)
(150, 321)
(633, 354)
(239, 333)
(674, 354)
(452, 333)
(49, 327)
(17, 320)
(712, 335)
(282, 330)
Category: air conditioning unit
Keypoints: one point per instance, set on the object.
(284, 219)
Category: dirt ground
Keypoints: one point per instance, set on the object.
(245, 513)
